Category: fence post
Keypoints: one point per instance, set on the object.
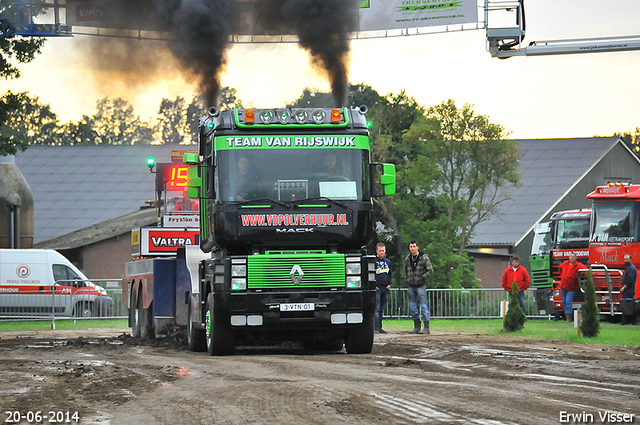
(53, 307)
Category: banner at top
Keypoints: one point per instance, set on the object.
(374, 15)
(397, 14)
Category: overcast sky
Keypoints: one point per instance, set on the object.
(534, 97)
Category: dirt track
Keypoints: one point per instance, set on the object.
(438, 379)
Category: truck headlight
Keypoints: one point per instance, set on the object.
(238, 270)
(353, 268)
(354, 282)
(238, 284)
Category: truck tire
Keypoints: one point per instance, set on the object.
(134, 311)
(195, 337)
(219, 336)
(146, 322)
(360, 340)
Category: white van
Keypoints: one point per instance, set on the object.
(35, 282)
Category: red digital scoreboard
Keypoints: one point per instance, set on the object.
(172, 177)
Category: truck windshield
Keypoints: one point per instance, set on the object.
(572, 233)
(288, 175)
(542, 239)
(615, 222)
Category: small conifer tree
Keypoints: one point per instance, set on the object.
(590, 325)
(515, 317)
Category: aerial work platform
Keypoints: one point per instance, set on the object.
(21, 18)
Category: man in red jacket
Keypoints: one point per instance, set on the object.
(569, 283)
(516, 273)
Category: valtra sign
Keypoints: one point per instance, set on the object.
(165, 241)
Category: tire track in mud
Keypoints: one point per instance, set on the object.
(406, 380)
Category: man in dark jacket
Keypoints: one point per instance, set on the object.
(417, 269)
(628, 290)
(383, 284)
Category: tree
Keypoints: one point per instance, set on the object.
(26, 121)
(229, 99)
(515, 318)
(475, 165)
(172, 124)
(590, 325)
(80, 133)
(312, 98)
(22, 50)
(631, 140)
(115, 123)
(194, 111)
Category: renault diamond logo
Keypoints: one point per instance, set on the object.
(298, 278)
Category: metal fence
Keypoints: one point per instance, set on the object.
(71, 299)
(478, 303)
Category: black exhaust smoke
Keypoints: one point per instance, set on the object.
(322, 27)
(199, 36)
(202, 29)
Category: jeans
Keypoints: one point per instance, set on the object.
(419, 295)
(567, 300)
(628, 319)
(381, 303)
(522, 302)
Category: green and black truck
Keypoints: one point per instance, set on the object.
(286, 211)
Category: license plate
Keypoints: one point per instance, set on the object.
(297, 307)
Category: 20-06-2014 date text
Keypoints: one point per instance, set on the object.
(49, 417)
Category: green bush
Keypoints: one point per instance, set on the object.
(515, 317)
(590, 325)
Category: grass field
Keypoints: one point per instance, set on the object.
(41, 325)
(610, 333)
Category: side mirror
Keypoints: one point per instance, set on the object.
(194, 182)
(384, 179)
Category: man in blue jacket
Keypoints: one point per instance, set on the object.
(383, 284)
(628, 291)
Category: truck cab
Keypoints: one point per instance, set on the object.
(285, 210)
(567, 232)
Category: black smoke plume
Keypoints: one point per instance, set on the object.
(202, 29)
(322, 27)
(199, 33)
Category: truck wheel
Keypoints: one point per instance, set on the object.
(195, 337)
(360, 340)
(219, 336)
(146, 322)
(134, 311)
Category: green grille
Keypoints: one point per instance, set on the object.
(273, 271)
(540, 273)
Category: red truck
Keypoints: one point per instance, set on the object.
(615, 231)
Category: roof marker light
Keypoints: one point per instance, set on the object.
(266, 116)
(284, 116)
(301, 116)
(318, 116)
(335, 115)
(249, 116)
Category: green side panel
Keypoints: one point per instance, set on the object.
(292, 141)
(273, 271)
(540, 271)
